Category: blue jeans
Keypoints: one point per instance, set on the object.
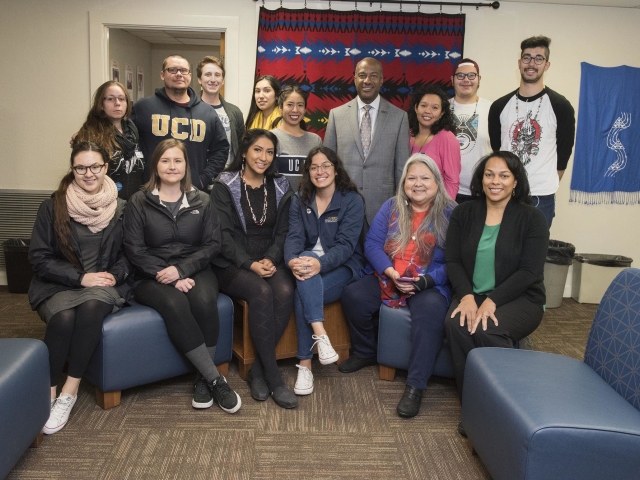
(547, 205)
(309, 300)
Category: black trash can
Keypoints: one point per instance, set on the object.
(559, 259)
(592, 274)
(16, 258)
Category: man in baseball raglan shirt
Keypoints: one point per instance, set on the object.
(537, 124)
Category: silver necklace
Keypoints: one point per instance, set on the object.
(537, 111)
(453, 107)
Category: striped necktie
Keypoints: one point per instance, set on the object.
(365, 131)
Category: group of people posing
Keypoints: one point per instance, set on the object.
(386, 211)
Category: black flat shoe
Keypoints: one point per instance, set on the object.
(409, 405)
(355, 363)
(284, 397)
(461, 430)
(259, 388)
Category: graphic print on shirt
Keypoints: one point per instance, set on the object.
(525, 136)
(613, 143)
(467, 128)
(128, 165)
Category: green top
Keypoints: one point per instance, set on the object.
(484, 273)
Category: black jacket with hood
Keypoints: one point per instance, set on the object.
(197, 125)
(54, 273)
(154, 240)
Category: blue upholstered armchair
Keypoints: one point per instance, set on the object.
(535, 415)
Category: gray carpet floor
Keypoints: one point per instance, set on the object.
(347, 429)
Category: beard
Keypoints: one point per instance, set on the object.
(178, 92)
(535, 79)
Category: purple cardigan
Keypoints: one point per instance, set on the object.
(380, 231)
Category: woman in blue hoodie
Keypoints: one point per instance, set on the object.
(323, 252)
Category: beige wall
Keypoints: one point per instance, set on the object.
(126, 48)
(50, 40)
(193, 53)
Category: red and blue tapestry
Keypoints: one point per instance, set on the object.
(319, 49)
(606, 169)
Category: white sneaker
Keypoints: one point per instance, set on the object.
(304, 382)
(53, 402)
(59, 413)
(326, 353)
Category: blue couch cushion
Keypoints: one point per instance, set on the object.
(24, 397)
(538, 415)
(613, 348)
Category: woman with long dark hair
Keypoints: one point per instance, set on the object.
(294, 142)
(433, 134)
(80, 270)
(496, 249)
(263, 111)
(405, 247)
(109, 126)
(252, 201)
(172, 233)
(323, 252)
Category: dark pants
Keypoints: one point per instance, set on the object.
(460, 198)
(73, 335)
(516, 320)
(547, 205)
(191, 318)
(361, 301)
(270, 303)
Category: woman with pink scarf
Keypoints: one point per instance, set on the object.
(80, 270)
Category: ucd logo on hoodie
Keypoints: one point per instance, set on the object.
(179, 127)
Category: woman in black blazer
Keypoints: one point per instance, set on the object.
(496, 249)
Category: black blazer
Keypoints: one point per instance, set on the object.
(521, 250)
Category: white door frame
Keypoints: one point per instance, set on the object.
(101, 21)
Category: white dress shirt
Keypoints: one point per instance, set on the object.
(373, 112)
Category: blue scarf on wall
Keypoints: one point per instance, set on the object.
(606, 166)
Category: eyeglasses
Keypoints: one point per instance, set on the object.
(324, 167)
(470, 75)
(113, 99)
(95, 168)
(539, 59)
(175, 70)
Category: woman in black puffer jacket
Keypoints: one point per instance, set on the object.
(171, 235)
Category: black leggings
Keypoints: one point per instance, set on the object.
(74, 334)
(270, 302)
(191, 318)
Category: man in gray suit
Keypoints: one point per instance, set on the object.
(371, 136)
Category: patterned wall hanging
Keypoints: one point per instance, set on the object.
(319, 49)
(606, 166)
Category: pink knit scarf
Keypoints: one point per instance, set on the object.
(94, 211)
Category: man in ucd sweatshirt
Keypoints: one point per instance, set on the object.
(177, 111)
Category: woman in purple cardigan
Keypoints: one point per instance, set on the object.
(405, 247)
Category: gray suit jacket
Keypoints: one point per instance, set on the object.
(377, 177)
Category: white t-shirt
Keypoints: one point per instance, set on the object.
(473, 136)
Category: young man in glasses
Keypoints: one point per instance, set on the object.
(177, 111)
(537, 124)
(470, 114)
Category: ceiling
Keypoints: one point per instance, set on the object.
(176, 37)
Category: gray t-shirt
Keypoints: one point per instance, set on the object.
(291, 154)
(89, 246)
(226, 123)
